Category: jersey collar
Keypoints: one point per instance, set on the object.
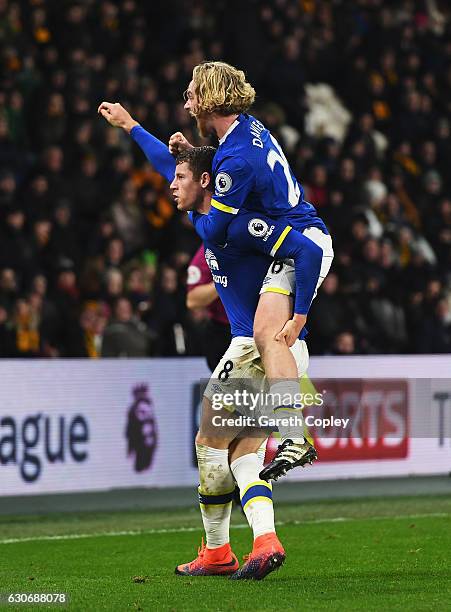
(230, 130)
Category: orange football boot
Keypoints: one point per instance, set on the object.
(210, 562)
(267, 555)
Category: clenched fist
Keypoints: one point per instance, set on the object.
(117, 116)
(178, 143)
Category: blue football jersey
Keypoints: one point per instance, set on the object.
(251, 172)
(239, 267)
(238, 277)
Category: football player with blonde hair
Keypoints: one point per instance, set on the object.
(251, 173)
(220, 88)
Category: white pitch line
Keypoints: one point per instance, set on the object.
(337, 519)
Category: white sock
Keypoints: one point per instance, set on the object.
(261, 452)
(215, 493)
(286, 407)
(256, 494)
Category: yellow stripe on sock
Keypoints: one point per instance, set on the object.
(288, 409)
(256, 483)
(258, 498)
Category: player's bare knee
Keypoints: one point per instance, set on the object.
(201, 438)
(210, 441)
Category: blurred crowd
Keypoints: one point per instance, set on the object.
(93, 254)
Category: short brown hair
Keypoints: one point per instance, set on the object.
(222, 89)
(199, 160)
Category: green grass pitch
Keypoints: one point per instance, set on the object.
(378, 554)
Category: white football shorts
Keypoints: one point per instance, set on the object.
(281, 275)
(242, 362)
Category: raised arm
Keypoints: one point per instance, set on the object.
(156, 151)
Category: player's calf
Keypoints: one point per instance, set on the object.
(256, 499)
(216, 491)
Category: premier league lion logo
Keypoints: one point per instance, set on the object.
(257, 228)
(141, 433)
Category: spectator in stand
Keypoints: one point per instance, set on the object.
(168, 314)
(6, 334)
(125, 336)
(26, 329)
(434, 334)
(329, 317)
(129, 219)
(114, 286)
(344, 344)
(316, 189)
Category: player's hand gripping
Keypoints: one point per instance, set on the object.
(178, 143)
(292, 329)
(117, 116)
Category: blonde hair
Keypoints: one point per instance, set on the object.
(222, 89)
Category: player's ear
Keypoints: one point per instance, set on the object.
(205, 180)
